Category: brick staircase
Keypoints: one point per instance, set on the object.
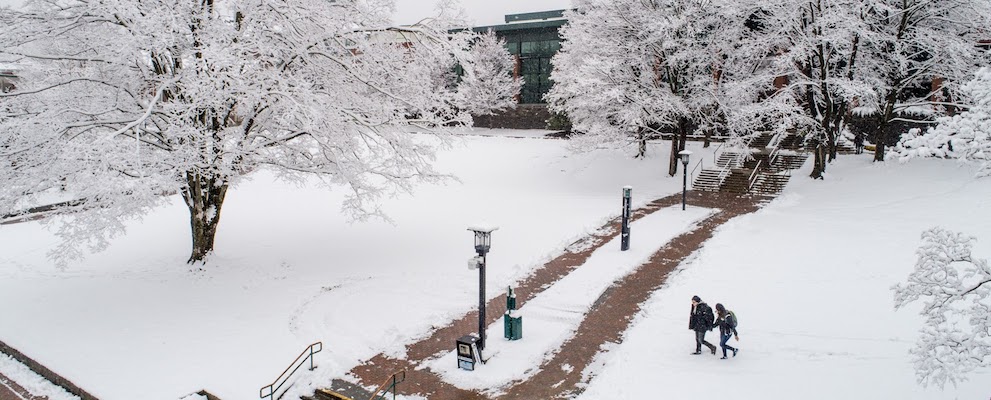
(734, 170)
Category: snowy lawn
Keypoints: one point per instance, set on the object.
(809, 277)
(552, 317)
(137, 322)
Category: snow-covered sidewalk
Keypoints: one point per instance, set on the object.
(551, 318)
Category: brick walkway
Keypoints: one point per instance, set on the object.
(10, 390)
(606, 322)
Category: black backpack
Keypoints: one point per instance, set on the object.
(735, 320)
(707, 315)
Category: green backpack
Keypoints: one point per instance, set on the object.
(735, 320)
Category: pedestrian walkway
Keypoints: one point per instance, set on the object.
(610, 315)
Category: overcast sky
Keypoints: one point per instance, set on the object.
(480, 12)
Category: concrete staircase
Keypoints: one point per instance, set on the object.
(757, 169)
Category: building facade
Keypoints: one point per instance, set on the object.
(533, 39)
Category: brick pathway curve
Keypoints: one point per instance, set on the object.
(608, 319)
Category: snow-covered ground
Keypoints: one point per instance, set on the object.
(809, 277)
(289, 271)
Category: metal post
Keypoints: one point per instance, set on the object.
(625, 234)
(481, 304)
(684, 187)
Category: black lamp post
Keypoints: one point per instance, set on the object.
(483, 241)
(684, 154)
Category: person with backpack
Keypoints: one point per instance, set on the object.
(700, 321)
(726, 321)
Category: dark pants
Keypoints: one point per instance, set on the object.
(700, 340)
(722, 343)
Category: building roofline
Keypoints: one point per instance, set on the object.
(534, 16)
(522, 26)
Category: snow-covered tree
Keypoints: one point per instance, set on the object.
(956, 288)
(630, 69)
(488, 79)
(870, 57)
(122, 103)
(813, 49)
(965, 136)
(921, 44)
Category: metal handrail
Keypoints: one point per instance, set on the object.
(777, 138)
(284, 377)
(724, 173)
(389, 384)
(697, 166)
(715, 153)
(753, 176)
(774, 156)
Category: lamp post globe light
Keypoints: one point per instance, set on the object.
(483, 242)
(685, 155)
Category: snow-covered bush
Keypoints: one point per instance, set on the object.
(965, 136)
(956, 337)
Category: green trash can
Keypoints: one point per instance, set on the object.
(512, 322)
(514, 325)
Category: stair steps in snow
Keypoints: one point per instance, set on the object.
(709, 180)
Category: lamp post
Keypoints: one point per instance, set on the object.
(684, 154)
(483, 241)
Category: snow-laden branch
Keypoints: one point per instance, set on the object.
(956, 291)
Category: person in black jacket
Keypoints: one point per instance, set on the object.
(727, 328)
(700, 321)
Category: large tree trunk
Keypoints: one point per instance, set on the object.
(673, 160)
(641, 144)
(678, 141)
(836, 128)
(881, 136)
(204, 196)
(819, 168)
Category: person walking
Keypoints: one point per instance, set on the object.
(858, 143)
(727, 328)
(700, 321)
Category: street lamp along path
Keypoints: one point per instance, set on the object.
(685, 155)
(483, 242)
